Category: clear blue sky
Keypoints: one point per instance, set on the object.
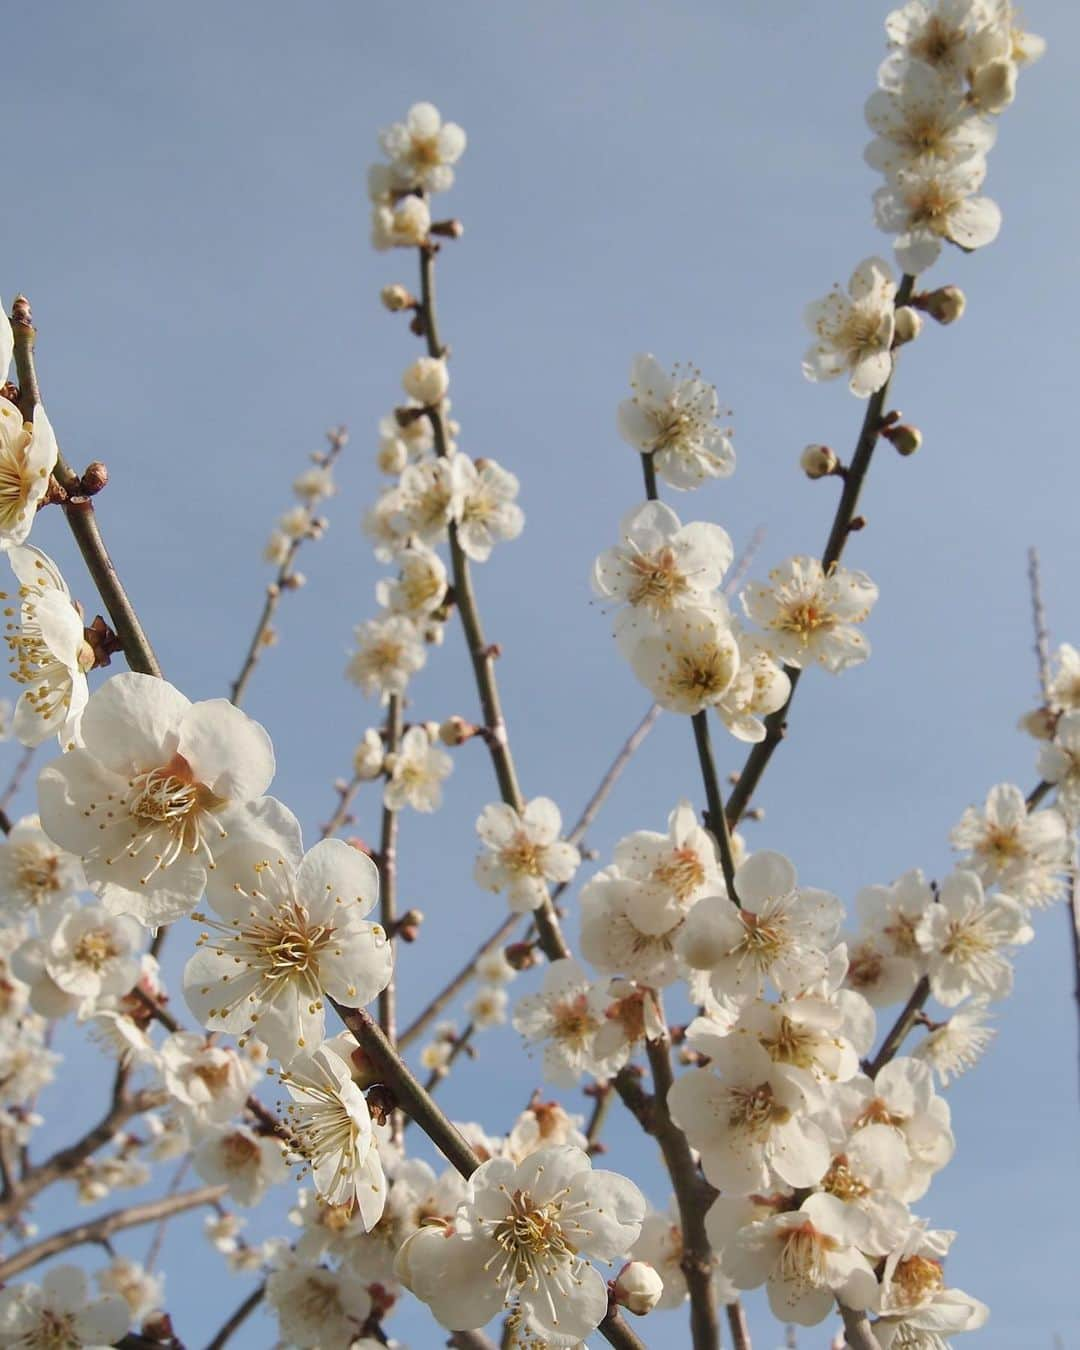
(187, 211)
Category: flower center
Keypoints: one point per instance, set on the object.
(840, 1181)
(804, 618)
(901, 932)
(916, 1278)
(802, 1258)
(791, 1044)
(865, 967)
(681, 872)
(937, 44)
(39, 874)
(239, 1152)
(96, 948)
(761, 941)
(168, 801)
(705, 672)
(532, 1240)
(215, 1076)
(54, 1331)
(754, 1110)
(572, 1022)
(657, 579)
(318, 1299)
(523, 856)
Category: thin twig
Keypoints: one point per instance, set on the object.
(346, 792)
(238, 1318)
(79, 509)
(775, 724)
(738, 1326)
(283, 581)
(715, 817)
(99, 1229)
(388, 871)
(154, 1250)
(603, 1096)
(1038, 618)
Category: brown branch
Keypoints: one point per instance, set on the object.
(97, 1230)
(283, 581)
(715, 817)
(388, 871)
(470, 1340)
(346, 792)
(857, 1329)
(238, 1318)
(738, 1326)
(79, 509)
(899, 1030)
(616, 1331)
(776, 723)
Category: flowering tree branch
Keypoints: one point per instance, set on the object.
(97, 1230)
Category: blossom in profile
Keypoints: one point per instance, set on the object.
(28, 453)
(853, 333)
(674, 419)
(488, 512)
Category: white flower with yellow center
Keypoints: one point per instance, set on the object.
(611, 938)
(1026, 853)
(808, 615)
(566, 1017)
(660, 565)
(884, 959)
(422, 149)
(854, 335)
(417, 773)
(668, 872)
(926, 117)
(673, 418)
(963, 936)
(783, 932)
(209, 1083)
(92, 953)
(403, 225)
(247, 1163)
(388, 653)
(428, 497)
(488, 512)
(488, 1006)
(1059, 762)
(521, 1240)
(150, 799)
(288, 936)
(27, 457)
(956, 1045)
(808, 1258)
(524, 852)
(59, 1315)
(760, 687)
(940, 33)
(420, 586)
(316, 1308)
(687, 663)
(47, 649)
(140, 1290)
(933, 203)
(35, 876)
(330, 1127)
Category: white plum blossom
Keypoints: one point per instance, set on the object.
(931, 203)
(524, 852)
(962, 937)
(157, 788)
(807, 1033)
(611, 939)
(750, 1119)
(808, 614)
(405, 224)
(247, 1163)
(807, 1258)
(660, 565)
(541, 1125)
(91, 953)
(369, 756)
(314, 485)
(566, 1016)
(1059, 762)
(28, 453)
(420, 586)
(673, 418)
(140, 1290)
(48, 651)
(288, 936)
(925, 117)
(1064, 688)
(423, 148)
(330, 1126)
(884, 958)
(957, 1044)
(521, 1240)
(428, 497)
(783, 932)
(208, 1082)
(426, 380)
(388, 653)
(316, 1307)
(488, 513)
(1026, 853)
(690, 663)
(35, 875)
(854, 335)
(416, 773)
(760, 687)
(61, 1313)
(667, 874)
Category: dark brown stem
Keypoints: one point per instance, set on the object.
(97, 1230)
(388, 871)
(738, 1326)
(775, 724)
(238, 1318)
(899, 1030)
(715, 817)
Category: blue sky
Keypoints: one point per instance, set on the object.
(188, 215)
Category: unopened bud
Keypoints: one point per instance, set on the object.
(993, 86)
(407, 928)
(432, 729)
(907, 325)
(818, 461)
(426, 380)
(368, 756)
(638, 1288)
(94, 479)
(945, 305)
(521, 955)
(293, 581)
(1040, 723)
(448, 229)
(456, 731)
(905, 438)
(395, 298)
(393, 456)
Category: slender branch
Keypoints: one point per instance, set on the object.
(1038, 618)
(604, 1096)
(97, 1230)
(506, 927)
(470, 1340)
(858, 1331)
(154, 1250)
(738, 1326)
(79, 510)
(22, 764)
(715, 817)
(283, 581)
(481, 653)
(388, 871)
(238, 1318)
(346, 792)
(775, 724)
(648, 469)
(899, 1030)
(460, 1045)
(616, 1331)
